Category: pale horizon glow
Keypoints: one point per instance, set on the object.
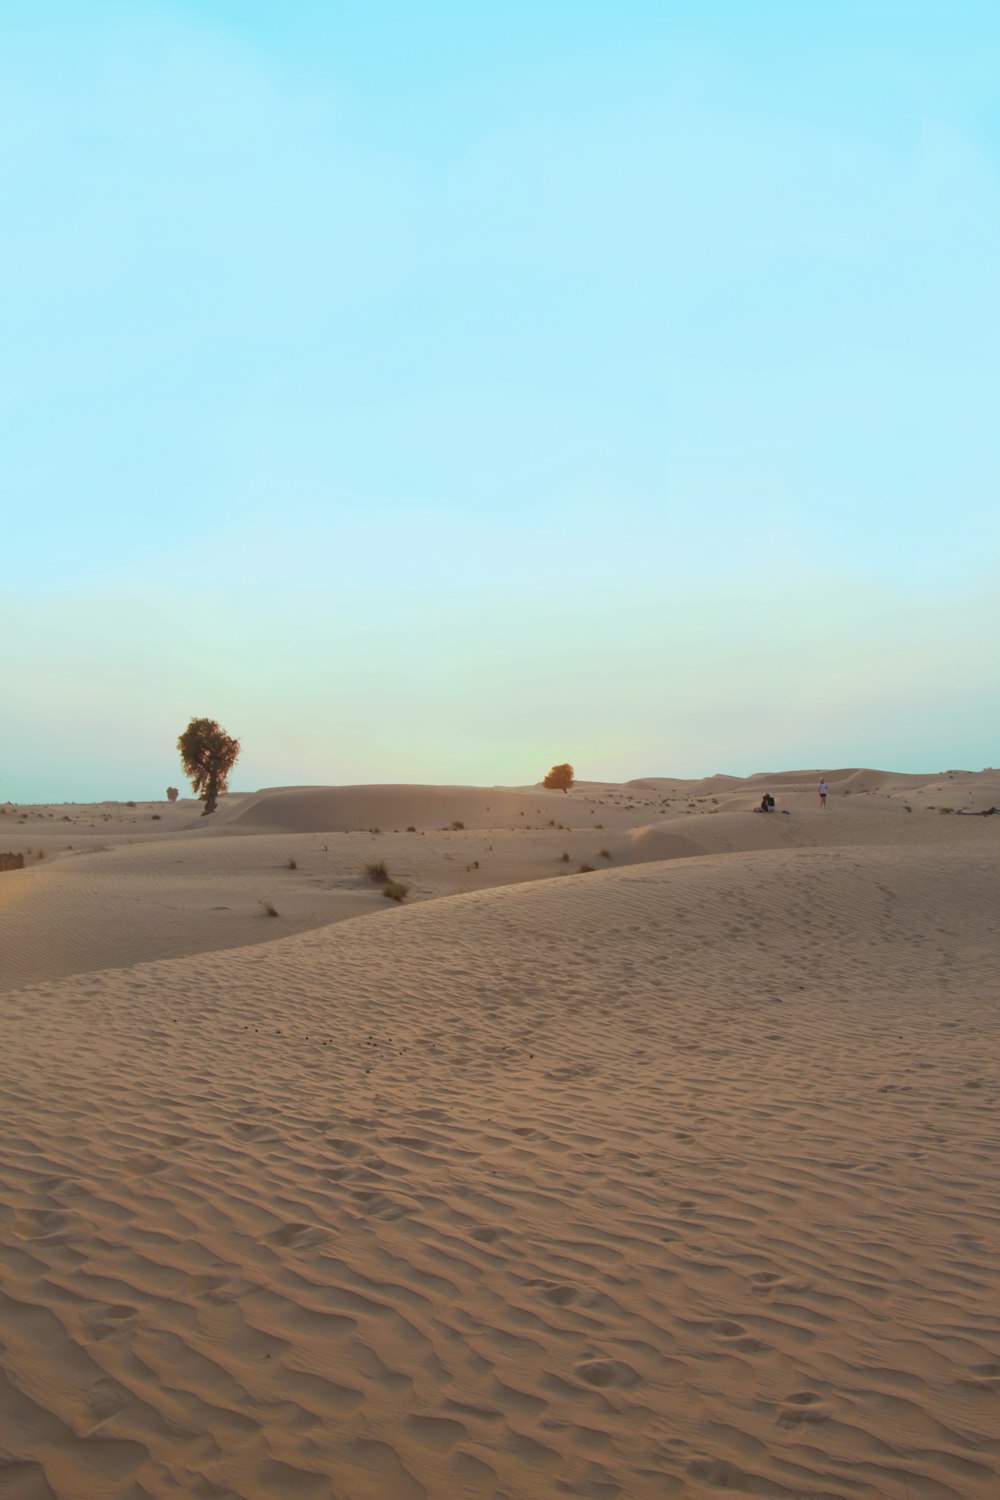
(436, 393)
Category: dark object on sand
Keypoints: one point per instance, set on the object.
(11, 861)
(987, 812)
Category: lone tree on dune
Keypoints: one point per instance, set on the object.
(559, 779)
(208, 754)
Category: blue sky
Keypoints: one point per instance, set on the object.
(435, 392)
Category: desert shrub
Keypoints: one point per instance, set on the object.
(293, 864)
(605, 853)
(395, 890)
(457, 825)
(411, 829)
(208, 754)
(565, 858)
(586, 869)
(155, 818)
(269, 910)
(377, 872)
(946, 809)
(130, 804)
(560, 778)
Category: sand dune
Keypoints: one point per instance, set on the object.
(121, 883)
(677, 1178)
(341, 809)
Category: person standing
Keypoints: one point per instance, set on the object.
(823, 789)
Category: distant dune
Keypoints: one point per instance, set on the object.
(341, 809)
(647, 1150)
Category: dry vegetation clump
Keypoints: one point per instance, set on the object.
(377, 872)
(269, 910)
(560, 778)
(396, 890)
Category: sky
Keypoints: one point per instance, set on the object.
(436, 392)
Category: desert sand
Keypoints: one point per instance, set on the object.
(674, 1176)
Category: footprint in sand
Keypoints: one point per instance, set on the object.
(298, 1236)
(737, 1337)
(103, 1400)
(726, 1329)
(803, 1406)
(605, 1372)
(560, 1296)
(105, 1321)
(765, 1282)
(436, 1432)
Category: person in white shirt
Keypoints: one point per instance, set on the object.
(823, 789)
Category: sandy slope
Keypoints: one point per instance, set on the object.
(677, 1179)
(120, 884)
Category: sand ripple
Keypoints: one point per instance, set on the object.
(679, 1180)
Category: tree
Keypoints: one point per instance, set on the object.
(559, 779)
(208, 754)
(173, 793)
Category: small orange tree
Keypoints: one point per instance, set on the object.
(208, 754)
(559, 779)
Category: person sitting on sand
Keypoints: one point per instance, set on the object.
(823, 789)
(766, 803)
